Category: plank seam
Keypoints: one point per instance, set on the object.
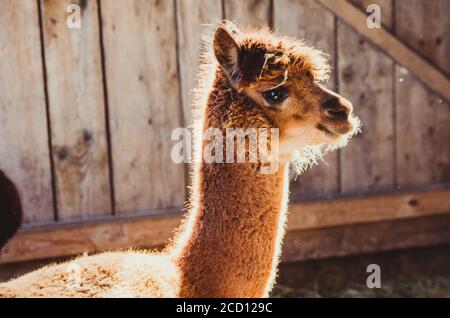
(271, 17)
(394, 99)
(224, 16)
(177, 46)
(47, 112)
(106, 107)
(180, 88)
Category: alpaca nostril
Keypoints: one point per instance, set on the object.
(332, 102)
(341, 113)
(334, 108)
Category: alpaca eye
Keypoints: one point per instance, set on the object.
(276, 95)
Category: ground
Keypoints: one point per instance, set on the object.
(420, 272)
(416, 287)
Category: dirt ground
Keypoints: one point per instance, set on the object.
(422, 272)
(403, 287)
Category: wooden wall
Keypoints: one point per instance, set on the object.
(86, 114)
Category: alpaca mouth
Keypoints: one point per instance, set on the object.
(349, 127)
(335, 131)
(324, 129)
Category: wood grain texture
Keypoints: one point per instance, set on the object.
(387, 16)
(56, 241)
(144, 103)
(425, 71)
(316, 228)
(194, 20)
(424, 25)
(24, 153)
(366, 238)
(250, 13)
(366, 209)
(366, 79)
(423, 118)
(423, 133)
(77, 111)
(300, 19)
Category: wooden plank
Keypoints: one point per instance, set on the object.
(56, 241)
(24, 153)
(307, 20)
(423, 125)
(144, 103)
(366, 238)
(250, 13)
(387, 16)
(366, 79)
(364, 209)
(193, 16)
(426, 72)
(63, 240)
(77, 111)
(422, 117)
(424, 26)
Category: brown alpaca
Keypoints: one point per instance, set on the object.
(10, 209)
(230, 242)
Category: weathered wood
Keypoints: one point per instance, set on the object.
(385, 8)
(251, 13)
(144, 103)
(366, 79)
(424, 26)
(77, 111)
(299, 19)
(366, 238)
(193, 18)
(426, 72)
(423, 118)
(56, 241)
(365, 209)
(23, 122)
(423, 133)
(63, 240)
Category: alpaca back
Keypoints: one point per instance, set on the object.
(114, 274)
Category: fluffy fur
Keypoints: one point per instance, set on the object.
(230, 241)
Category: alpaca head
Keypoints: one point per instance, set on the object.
(281, 76)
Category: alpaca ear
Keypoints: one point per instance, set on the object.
(226, 50)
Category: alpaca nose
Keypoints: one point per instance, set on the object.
(335, 107)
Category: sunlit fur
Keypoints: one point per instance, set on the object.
(230, 241)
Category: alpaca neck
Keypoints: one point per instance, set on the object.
(232, 237)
